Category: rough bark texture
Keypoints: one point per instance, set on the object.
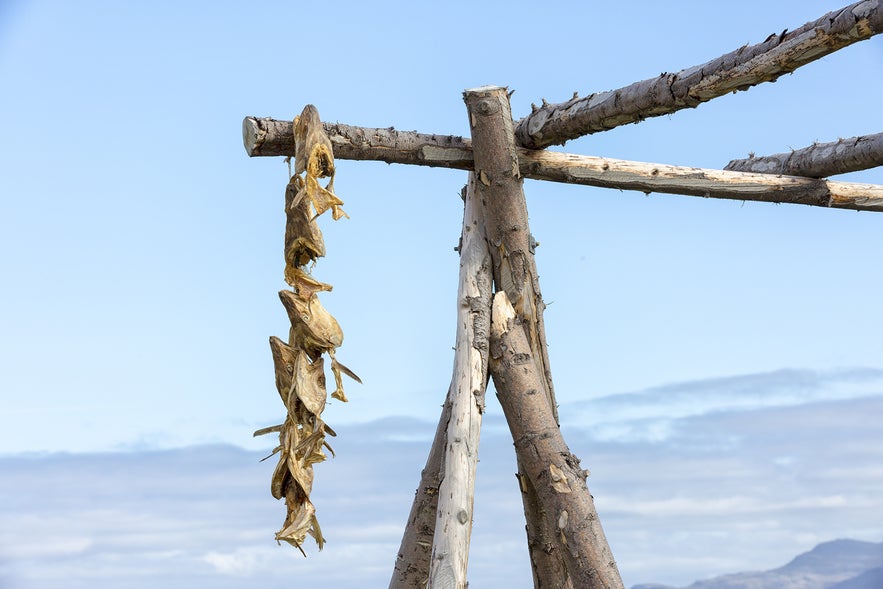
(450, 549)
(545, 459)
(499, 186)
(511, 243)
(269, 138)
(411, 569)
(741, 69)
(448, 479)
(819, 160)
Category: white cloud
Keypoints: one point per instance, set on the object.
(242, 561)
(652, 415)
(722, 491)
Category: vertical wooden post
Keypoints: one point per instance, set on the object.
(567, 547)
(442, 509)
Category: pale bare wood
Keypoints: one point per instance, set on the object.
(413, 561)
(741, 69)
(456, 152)
(453, 528)
(650, 177)
(819, 160)
(544, 458)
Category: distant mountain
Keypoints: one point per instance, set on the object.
(872, 579)
(840, 564)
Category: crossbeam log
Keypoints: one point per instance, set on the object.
(270, 137)
(779, 54)
(819, 160)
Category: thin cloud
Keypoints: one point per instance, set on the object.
(727, 489)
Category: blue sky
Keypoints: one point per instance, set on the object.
(141, 249)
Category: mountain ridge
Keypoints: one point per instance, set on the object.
(837, 564)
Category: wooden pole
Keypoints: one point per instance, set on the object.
(779, 54)
(544, 458)
(819, 160)
(411, 569)
(442, 509)
(500, 189)
(269, 137)
(450, 548)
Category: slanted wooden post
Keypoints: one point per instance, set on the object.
(566, 544)
(442, 508)
(456, 494)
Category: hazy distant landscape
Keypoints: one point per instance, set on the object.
(692, 481)
(839, 564)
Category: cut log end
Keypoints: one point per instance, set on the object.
(252, 136)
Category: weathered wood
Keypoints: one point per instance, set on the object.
(453, 528)
(447, 481)
(411, 569)
(741, 69)
(650, 177)
(456, 152)
(500, 188)
(544, 458)
(819, 160)
(271, 137)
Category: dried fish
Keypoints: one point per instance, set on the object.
(299, 364)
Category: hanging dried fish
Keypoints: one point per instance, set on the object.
(299, 364)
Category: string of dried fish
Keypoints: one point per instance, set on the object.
(299, 363)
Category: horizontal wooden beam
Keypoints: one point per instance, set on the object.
(819, 160)
(779, 54)
(269, 137)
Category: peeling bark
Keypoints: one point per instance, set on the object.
(450, 549)
(511, 246)
(819, 160)
(271, 137)
(414, 148)
(411, 569)
(500, 187)
(435, 546)
(741, 69)
(545, 460)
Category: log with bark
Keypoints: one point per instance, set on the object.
(545, 460)
(779, 54)
(268, 137)
(442, 508)
(819, 160)
(499, 186)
